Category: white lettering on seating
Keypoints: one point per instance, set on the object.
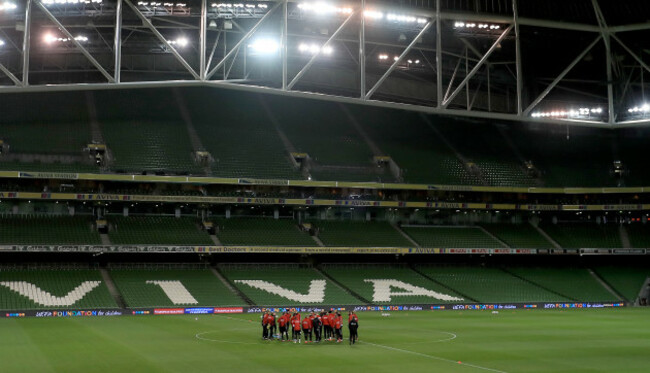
(42, 297)
(175, 291)
(316, 292)
(383, 292)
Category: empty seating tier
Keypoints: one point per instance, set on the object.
(490, 284)
(383, 284)
(156, 231)
(364, 234)
(451, 237)
(584, 235)
(522, 236)
(627, 281)
(577, 284)
(268, 284)
(38, 230)
(255, 231)
(172, 287)
(53, 289)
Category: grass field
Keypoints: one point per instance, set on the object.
(596, 340)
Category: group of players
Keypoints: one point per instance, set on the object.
(323, 325)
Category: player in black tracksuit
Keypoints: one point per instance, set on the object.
(353, 325)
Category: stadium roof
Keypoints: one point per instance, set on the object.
(579, 62)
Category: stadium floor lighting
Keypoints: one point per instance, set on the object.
(264, 46)
(6, 6)
(314, 49)
(573, 113)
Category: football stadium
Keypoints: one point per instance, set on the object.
(324, 185)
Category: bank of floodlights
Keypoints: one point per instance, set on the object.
(573, 113)
(71, 2)
(640, 110)
(6, 6)
(322, 8)
(393, 17)
(314, 49)
(51, 39)
(228, 6)
(460, 25)
(162, 4)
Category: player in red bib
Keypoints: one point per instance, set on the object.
(265, 323)
(306, 328)
(338, 324)
(296, 329)
(282, 323)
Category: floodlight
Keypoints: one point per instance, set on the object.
(417, 61)
(181, 41)
(373, 14)
(265, 46)
(7, 6)
(2, 42)
(383, 56)
(314, 48)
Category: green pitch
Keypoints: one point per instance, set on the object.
(444, 341)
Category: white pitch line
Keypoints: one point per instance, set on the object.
(432, 357)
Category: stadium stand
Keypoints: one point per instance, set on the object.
(145, 145)
(51, 230)
(573, 283)
(355, 233)
(393, 279)
(639, 235)
(583, 235)
(627, 281)
(141, 288)
(156, 231)
(302, 285)
(421, 155)
(309, 124)
(522, 236)
(50, 288)
(484, 146)
(485, 284)
(260, 231)
(582, 159)
(243, 143)
(451, 237)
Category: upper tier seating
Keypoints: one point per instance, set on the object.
(156, 231)
(354, 233)
(583, 235)
(39, 230)
(255, 231)
(239, 135)
(522, 236)
(451, 237)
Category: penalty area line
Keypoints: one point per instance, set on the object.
(432, 357)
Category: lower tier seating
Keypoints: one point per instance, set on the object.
(285, 285)
(173, 287)
(383, 284)
(53, 289)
